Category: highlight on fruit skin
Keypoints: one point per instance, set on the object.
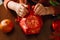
(6, 25)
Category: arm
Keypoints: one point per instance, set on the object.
(41, 10)
(56, 9)
(51, 10)
(19, 8)
(5, 3)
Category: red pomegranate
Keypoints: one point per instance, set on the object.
(31, 24)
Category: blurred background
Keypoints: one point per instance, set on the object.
(1, 2)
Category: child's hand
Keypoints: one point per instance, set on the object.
(39, 9)
(20, 9)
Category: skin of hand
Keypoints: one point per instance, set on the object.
(19, 8)
(21, 11)
(41, 10)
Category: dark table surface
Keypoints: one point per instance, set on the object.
(18, 34)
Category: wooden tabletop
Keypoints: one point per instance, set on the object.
(17, 33)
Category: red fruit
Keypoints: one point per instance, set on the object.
(56, 25)
(6, 25)
(31, 24)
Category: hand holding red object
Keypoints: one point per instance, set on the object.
(31, 24)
